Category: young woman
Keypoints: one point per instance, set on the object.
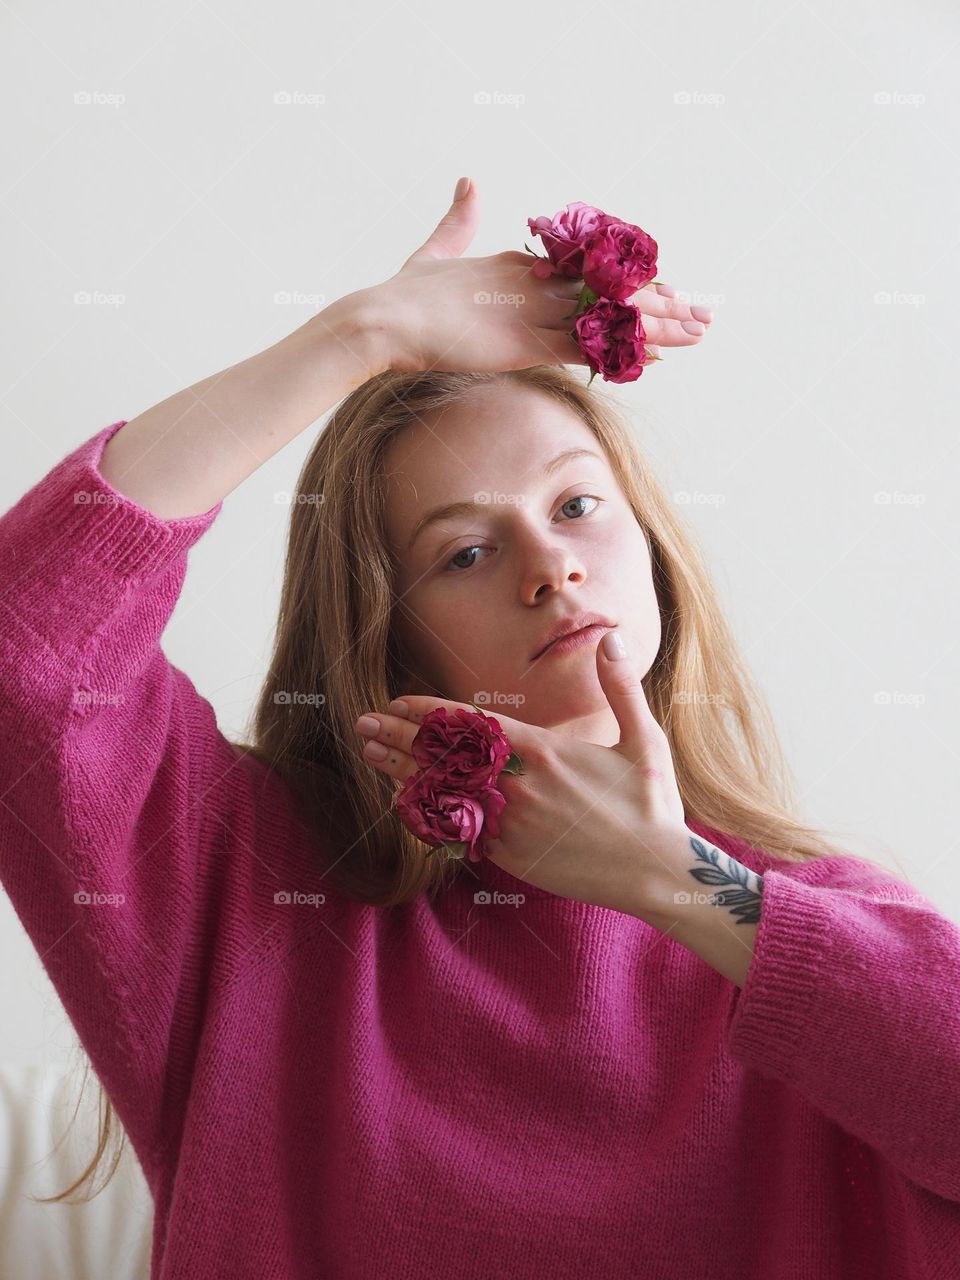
(664, 1029)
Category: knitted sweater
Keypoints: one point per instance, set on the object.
(523, 1089)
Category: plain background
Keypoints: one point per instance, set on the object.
(182, 186)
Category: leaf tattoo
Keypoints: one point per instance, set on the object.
(744, 900)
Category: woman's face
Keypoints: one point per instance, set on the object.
(481, 589)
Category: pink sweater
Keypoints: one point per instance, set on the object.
(317, 1088)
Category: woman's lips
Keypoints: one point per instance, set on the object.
(576, 640)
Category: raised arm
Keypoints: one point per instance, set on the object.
(439, 311)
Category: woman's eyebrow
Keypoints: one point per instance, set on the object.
(450, 509)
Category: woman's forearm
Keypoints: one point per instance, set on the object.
(183, 455)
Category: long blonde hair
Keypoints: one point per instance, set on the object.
(337, 639)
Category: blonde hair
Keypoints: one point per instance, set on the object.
(337, 636)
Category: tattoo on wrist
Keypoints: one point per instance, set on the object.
(744, 896)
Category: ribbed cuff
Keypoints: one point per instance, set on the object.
(90, 513)
(771, 1013)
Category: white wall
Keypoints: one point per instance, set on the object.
(783, 190)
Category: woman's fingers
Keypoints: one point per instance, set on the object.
(673, 333)
(453, 232)
(667, 306)
(388, 745)
(392, 731)
(668, 321)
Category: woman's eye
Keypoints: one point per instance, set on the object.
(451, 567)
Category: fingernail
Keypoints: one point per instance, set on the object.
(462, 188)
(693, 326)
(368, 726)
(613, 646)
(667, 290)
(399, 708)
(376, 750)
(701, 313)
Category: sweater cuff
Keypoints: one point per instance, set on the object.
(89, 513)
(770, 1014)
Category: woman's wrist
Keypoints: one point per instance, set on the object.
(358, 326)
(185, 454)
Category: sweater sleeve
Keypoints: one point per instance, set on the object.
(852, 997)
(113, 778)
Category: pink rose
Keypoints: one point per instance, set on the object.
(563, 236)
(618, 259)
(439, 816)
(468, 749)
(612, 337)
(453, 799)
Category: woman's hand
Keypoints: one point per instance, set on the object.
(599, 824)
(446, 312)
